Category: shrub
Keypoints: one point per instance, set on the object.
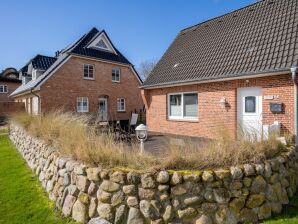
(75, 136)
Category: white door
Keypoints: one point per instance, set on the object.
(103, 109)
(249, 111)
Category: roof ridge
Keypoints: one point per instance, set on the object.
(43, 56)
(217, 17)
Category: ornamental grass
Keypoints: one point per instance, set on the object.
(77, 137)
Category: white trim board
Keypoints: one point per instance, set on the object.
(216, 80)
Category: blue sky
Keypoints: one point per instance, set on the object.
(141, 30)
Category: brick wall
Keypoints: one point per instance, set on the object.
(211, 115)
(12, 86)
(61, 90)
(7, 108)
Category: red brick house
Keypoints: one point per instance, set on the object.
(238, 69)
(9, 82)
(89, 76)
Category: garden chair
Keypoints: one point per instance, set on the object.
(130, 133)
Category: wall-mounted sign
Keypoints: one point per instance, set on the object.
(270, 97)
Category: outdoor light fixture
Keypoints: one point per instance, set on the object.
(223, 102)
(141, 133)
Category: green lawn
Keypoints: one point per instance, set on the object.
(22, 199)
(3, 130)
(289, 214)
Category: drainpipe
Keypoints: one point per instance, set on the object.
(294, 75)
(39, 103)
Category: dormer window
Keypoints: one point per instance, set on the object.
(115, 75)
(101, 44)
(26, 78)
(88, 71)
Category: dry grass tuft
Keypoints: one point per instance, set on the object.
(75, 136)
(224, 151)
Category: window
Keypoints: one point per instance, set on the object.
(116, 75)
(183, 106)
(3, 89)
(82, 104)
(88, 71)
(250, 104)
(102, 44)
(120, 104)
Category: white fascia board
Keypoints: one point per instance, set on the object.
(25, 93)
(216, 80)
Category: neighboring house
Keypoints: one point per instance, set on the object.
(9, 82)
(236, 69)
(89, 76)
(28, 74)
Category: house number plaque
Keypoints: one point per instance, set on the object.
(271, 97)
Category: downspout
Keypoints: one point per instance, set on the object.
(39, 103)
(294, 76)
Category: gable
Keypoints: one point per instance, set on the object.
(101, 42)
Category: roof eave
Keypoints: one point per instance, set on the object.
(228, 78)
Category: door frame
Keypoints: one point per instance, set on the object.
(106, 102)
(241, 109)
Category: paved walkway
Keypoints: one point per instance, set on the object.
(157, 143)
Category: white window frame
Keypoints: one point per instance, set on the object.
(116, 69)
(88, 78)
(182, 117)
(119, 105)
(256, 106)
(81, 108)
(3, 89)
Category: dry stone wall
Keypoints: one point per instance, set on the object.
(96, 195)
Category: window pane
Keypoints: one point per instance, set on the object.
(191, 105)
(175, 105)
(116, 74)
(250, 104)
(120, 104)
(88, 71)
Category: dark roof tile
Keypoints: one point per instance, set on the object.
(40, 62)
(244, 42)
